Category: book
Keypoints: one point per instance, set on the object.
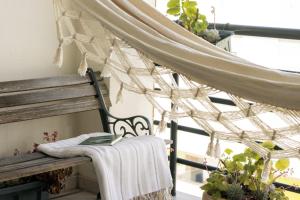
(104, 140)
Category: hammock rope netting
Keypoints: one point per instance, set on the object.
(102, 49)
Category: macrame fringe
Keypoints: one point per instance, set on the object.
(83, 65)
(164, 194)
(173, 112)
(106, 73)
(119, 97)
(217, 150)
(210, 147)
(162, 124)
(59, 56)
(267, 170)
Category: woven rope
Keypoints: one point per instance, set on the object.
(130, 68)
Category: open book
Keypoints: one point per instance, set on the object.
(102, 140)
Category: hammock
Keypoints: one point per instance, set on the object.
(132, 42)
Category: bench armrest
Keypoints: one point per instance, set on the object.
(133, 126)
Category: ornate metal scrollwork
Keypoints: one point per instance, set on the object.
(132, 126)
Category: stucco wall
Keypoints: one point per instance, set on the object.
(27, 45)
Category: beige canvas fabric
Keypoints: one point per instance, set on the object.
(127, 38)
(193, 57)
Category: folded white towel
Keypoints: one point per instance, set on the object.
(133, 167)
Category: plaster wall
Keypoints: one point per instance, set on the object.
(27, 45)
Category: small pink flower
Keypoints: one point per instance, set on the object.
(54, 136)
(16, 152)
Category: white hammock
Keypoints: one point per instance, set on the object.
(126, 38)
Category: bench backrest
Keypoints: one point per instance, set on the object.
(45, 97)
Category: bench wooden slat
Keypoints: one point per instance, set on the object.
(46, 167)
(26, 164)
(48, 82)
(21, 158)
(38, 111)
(47, 95)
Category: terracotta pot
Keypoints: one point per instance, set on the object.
(206, 196)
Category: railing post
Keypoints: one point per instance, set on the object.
(173, 150)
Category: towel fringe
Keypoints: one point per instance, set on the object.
(164, 194)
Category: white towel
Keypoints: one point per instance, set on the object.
(133, 167)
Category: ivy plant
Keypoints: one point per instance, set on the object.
(188, 15)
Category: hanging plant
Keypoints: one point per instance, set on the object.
(188, 15)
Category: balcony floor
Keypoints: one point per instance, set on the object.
(90, 196)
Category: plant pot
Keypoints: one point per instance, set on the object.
(206, 196)
(28, 191)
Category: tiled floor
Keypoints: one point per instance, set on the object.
(183, 196)
(89, 196)
(79, 196)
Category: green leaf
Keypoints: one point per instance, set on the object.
(228, 151)
(246, 181)
(239, 166)
(189, 4)
(190, 12)
(239, 157)
(230, 166)
(268, 144)
(216, 195)
(251, 154)
(252, 187)
(282, 164)
(206, 187)
(173, 3)
(174, 11)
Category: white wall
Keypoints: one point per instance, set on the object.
(27, 45)
(28, 40)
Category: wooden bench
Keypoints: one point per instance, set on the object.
(38, 98)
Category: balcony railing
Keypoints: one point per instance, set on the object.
(174, 127)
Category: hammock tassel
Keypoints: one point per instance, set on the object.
(59, 56)
(217, 150)
(106, 71)
(83, 65)
(173, 113)
(210, 148)
(119, 97)
(267, 169)
(163, 124)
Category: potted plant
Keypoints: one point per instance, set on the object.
(189, 17)
(239, 177)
